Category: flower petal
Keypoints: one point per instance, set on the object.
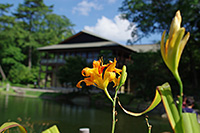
(182, 44)
(79, 84)
(87, 81)
(171, 51)
(162, 46)
(99, 77)
(175, 25)
(86, 71)
(176, 48)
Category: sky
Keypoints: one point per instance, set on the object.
(101, 17)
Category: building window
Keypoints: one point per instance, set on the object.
(78, 54)
(72, 54)
(95, 55)
(84, 55)
(66, 55)
(90, 55)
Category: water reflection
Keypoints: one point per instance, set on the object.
(6, 101)
(69, 118)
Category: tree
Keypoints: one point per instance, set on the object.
(20, 74)
(155, 16)
(42, 27)
(10, 54)
(31, 14)
(145, 73)
(70, 73)
(57, 28)
(31, 26)
(149, 16)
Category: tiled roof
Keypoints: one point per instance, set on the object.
(78, 45)
(145, 47)
(95, 41)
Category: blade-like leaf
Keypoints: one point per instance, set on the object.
(53, 129)
(170, 108)
(155, 102)
(8, 125)
(190, 123)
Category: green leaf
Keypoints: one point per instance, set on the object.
(170, 107)
(190, 123)
(8, 125)
(53, 129)
(155, 102)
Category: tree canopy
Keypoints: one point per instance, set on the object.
(72, 71)
(153, 16)
(41, 25)
(33, 24)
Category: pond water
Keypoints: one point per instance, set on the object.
(69, 118)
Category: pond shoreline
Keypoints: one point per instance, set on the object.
(81, 99)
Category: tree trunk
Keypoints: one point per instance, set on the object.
(2, 73)
(29, 57)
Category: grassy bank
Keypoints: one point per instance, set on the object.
(95, 98)
(26, 92)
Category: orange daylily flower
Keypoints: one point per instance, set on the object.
(171, 51)
(101, 75)
(98, 77)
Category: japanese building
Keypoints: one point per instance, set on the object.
(84, 44)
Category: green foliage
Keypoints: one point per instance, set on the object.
(34, 93)
(170, 108)
(30, 16)
(106, 54)
(11, 56)
(186, 123)
(70, 72)
(155, 102)
(190, 123)
(53, 129)
(22, 74)
(6, 126)
(180, 123)
(30, 26)
(150, 16)
(59, 28)
(5, 20)
(149, 68)
(9, 53)
(155, 16)
(42, 27)
(27, 125)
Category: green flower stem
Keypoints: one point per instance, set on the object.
(149, 130)
(108, 95)
(149, 126)
(114, 112)
(122, 81)
(181, 92)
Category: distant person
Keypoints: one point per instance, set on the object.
(189, 105)
(35, 84)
